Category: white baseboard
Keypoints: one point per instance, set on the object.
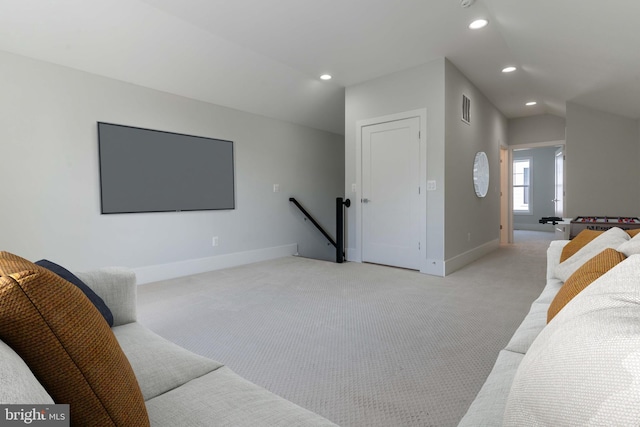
(352, 255)
(465, 258)
(433, 267)
(154, 273)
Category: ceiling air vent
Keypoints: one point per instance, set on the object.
(466, 109)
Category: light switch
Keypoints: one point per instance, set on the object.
(353, 188)
(431, 185)
(276, 188)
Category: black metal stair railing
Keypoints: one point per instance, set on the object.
(339, 242)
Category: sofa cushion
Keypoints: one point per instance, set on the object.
(72, 278)
(224, 399)
(584, 367)
(612, 238)
(550, 291)
(553, 257)
(632, 246)
(583, 277)
(578, 242)
(17, 383)
(159, 365)
(529, 329)
(67, 344)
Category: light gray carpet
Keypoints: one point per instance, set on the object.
(360, 344)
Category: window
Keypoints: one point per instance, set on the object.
(522, 186)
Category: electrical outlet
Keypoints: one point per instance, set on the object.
(353, 188)
(276, 188)
(214, 241)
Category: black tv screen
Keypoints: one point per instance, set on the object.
(143, 170)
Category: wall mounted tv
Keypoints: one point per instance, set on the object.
(143, 170)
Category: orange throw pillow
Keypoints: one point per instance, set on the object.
(578, 242)
(583, 277)
(68, 346)
(633, 232)
(584, 237)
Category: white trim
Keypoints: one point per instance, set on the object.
(563, 153)
(422, 115)
(504, 193)
(352, 255)
(468, 257)
(434, 267)
(529, 210)
(154, 273)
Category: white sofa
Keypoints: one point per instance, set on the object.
(180, 388)
(580, 369)
(488, 407)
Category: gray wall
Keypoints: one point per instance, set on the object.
(534, 129)
(453, 210)
(465, 212)
(542, 188)
(50, 192)
(602, 173)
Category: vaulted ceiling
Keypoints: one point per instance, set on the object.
(266, 56)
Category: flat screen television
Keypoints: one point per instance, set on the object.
(143, 170)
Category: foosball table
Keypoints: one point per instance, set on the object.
(602, 223)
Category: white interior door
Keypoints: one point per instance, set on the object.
(559, 194)
(391, 193)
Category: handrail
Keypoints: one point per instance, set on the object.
(313, 221)
(339, 225)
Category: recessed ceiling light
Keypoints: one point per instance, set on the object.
(508, 69)
(326, 77)
(478, 23)
(530, 103)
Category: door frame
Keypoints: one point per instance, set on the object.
(505, 194)
(555, 203)
(509, 177)
(421, 114)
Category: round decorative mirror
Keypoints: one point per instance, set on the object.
(481, 174)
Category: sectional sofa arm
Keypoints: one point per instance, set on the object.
(553, 256)
(117, 287)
